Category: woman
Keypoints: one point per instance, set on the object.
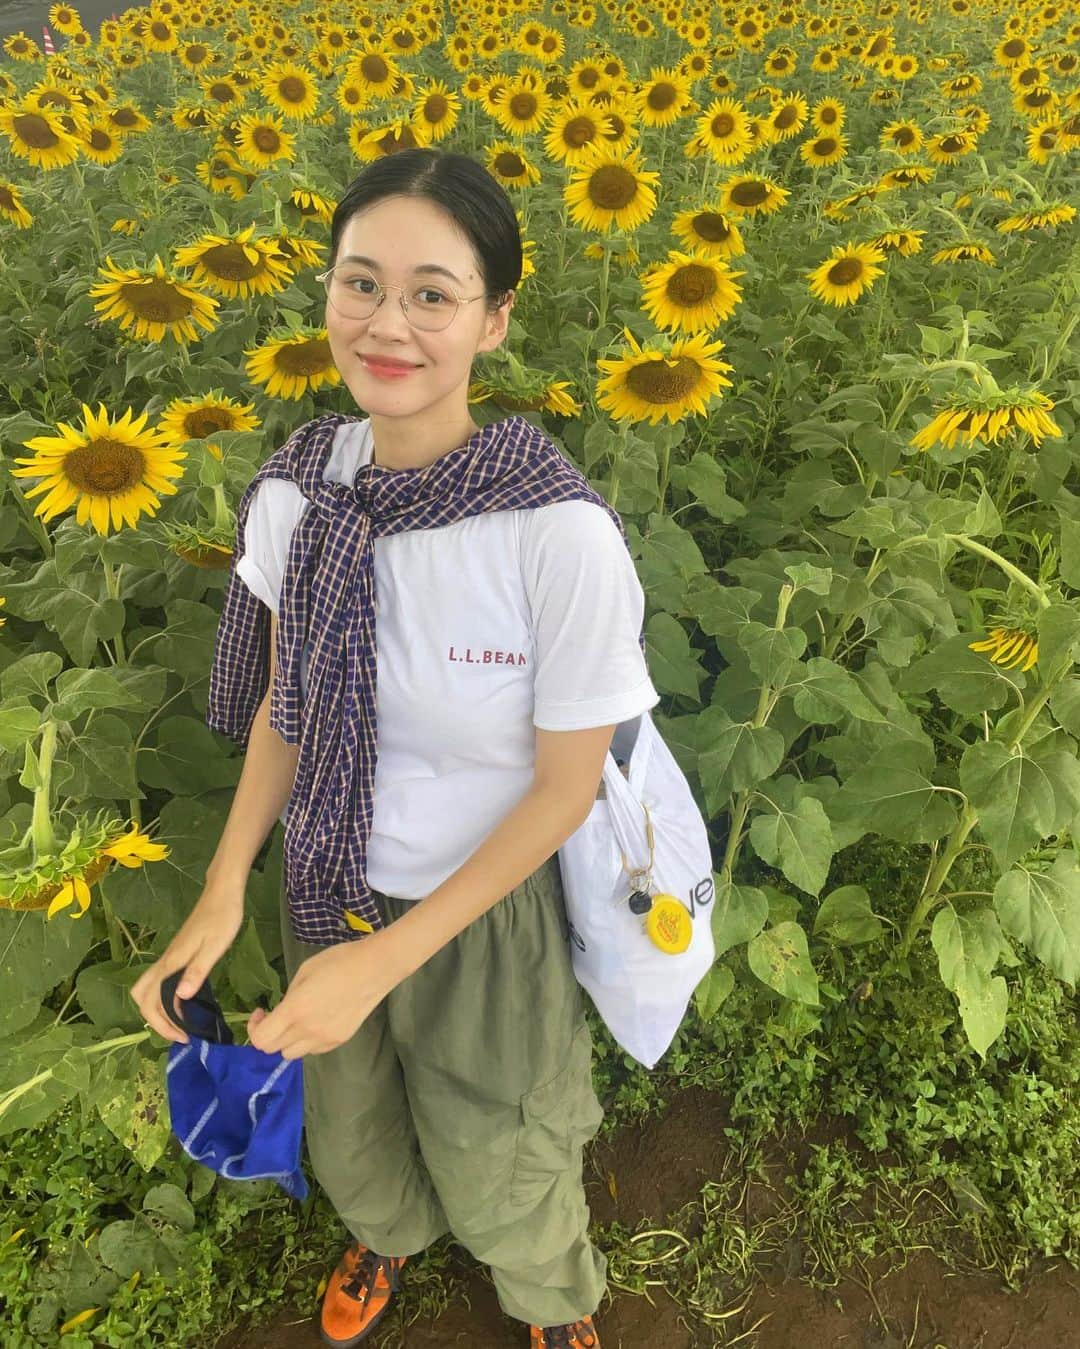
(475, 579)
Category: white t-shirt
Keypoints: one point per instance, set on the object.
(485, 629)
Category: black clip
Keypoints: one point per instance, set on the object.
(202, 1012)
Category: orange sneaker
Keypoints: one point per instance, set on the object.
(358, 1295)
(580, 1335)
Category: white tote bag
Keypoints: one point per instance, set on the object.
(640, 986)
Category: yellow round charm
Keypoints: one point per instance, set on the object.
(669, 924)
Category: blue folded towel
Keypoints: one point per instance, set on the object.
(234, 1109)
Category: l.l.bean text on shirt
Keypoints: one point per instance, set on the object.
(487, 657)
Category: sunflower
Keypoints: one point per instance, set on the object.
(709, 233)
(989, 416)
(196, 55)
(828, 115)
(724, 132)
(309, 203)
(690, 293)
(101, 144)
(236, 265)
(374, 143)
(65, 20)
(1012, 51)
(585, 76)
(536, 395)
(522, 108)
(788, 116)
(263, 139)
(573, 128)
(209, 414)
(291, 89)
(907, 176)
(965, 251)
(38, 135)
(1009, 647)
(749, 194)
(287, 367)
(904, 242)
(152, 303)
(825, 58)
(11, 205)
(109, 470)
(663, 98)
(951, 145)
(509, 165)
(1038, 220)
(847, 272)
(1043, 140)
(652, 383)
(374, 73)
(437, 108)
(160, 35)
(610, 188)
(824, 150)
(127, 119)
(22, 48)
(221, 91)
(297, 251)
(904, 137)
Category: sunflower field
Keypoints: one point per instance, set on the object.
(801, 298)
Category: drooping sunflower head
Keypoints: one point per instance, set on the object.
(151, 303)
(966, 250)
(38, 136)
(983, 416)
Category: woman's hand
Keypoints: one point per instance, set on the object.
(330, 997)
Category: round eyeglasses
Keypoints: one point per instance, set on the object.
(356, 294)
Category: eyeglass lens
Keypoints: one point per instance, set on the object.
(354, 293)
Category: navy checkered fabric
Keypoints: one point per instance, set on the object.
(327, 599)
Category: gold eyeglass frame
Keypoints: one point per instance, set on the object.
(402, 300)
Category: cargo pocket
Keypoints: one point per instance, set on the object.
(557, 1119)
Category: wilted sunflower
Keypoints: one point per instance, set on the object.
(11, 205)
(109, 470)
(907, 176)
(651, 383)
(984, 416)
(236, 265)
(263, 139)
(951, 145)
(824, 150)
(690, 293)
(965, 251)
(509, 164)
(287, 367)
(1009, 647)
(400, 134)
(149, 304)
(309, 203)
(709, 233)
(572, 128)
(291, 89)
(610, 188)
(1038, 220)
(543, 395)
(297, 251)
(724, 132)
(38, 135)
(904, 242)
(849, 270)
(750, 194)
(904, 137)
(209, 414)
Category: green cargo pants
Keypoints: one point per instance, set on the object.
(463, 1102)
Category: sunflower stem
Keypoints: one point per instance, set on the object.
(973, 546)
(112, 588)
(605, 268)
(931, 894)
(86, 207)
(116, 945)
(43, 834)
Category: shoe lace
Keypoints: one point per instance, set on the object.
(363, 1276)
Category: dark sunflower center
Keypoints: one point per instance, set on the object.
(375, 69)
(34, 131)
(293, 89)
(1014, 47)
(156, 300)
(392, 142)
(579, 131)
(786, 117)
(751, 193)
(436, 108)
(828, 115)
(825, 146)
(231, 263)
(659, 382)
(692, 285)
(876, 47)
(51, 96)
(266, 139)
(549, 45)
(202, 422)
(661, 96)
(404, 41)
(523, 106)
(161, 31)
(710, 226)
(612, 187)
(748, 28)
(7, 199)
(618, 126)
(588, 78)
(951, 144)
(351, 94)
(846, 271)
(1038, 97)
(105, 467)
(722, 125)
(304, 358)
(509, 164)
(335, 40)
(221, 92)
(100, 140)
(903, 136)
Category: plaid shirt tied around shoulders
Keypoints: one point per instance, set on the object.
(327, 599)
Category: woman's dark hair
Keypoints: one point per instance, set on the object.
(463, 188)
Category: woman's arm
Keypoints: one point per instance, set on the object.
(265, 786)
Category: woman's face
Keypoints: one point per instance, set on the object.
(400, 235)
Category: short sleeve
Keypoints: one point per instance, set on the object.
(587, 607)
(276, 507)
